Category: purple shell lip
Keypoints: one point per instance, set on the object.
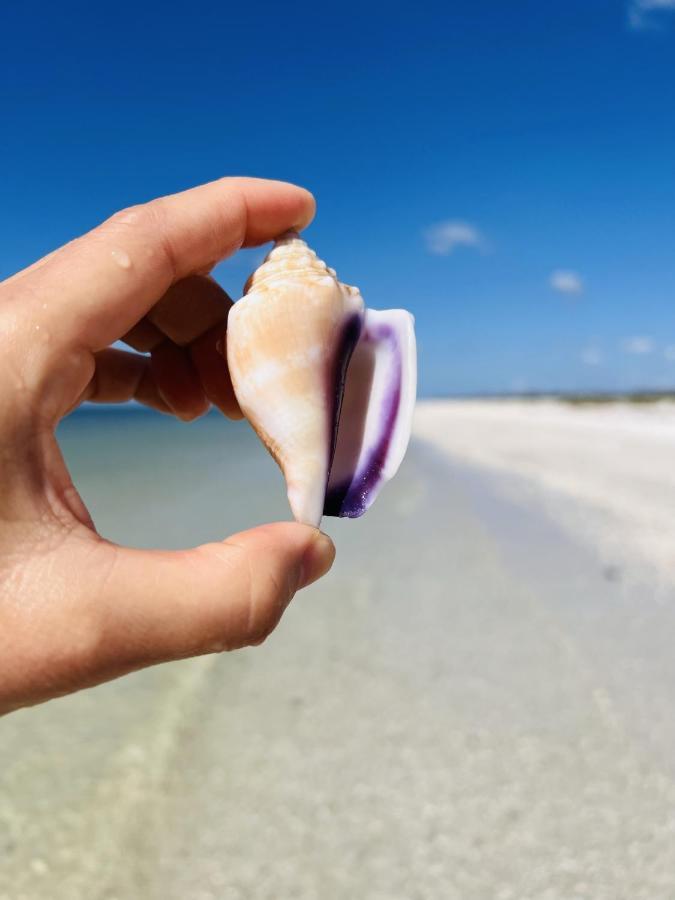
(351, 335)
(351, 499)
(361, 457)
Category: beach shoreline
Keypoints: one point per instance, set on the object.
(604, 471)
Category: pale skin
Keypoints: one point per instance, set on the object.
(76, 609)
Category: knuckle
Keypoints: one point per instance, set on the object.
(20, 368)
(8, 325)
(258, 636)
(147, 220)
(267, 596)
(263, 591)
(144, 220)
(137, 216)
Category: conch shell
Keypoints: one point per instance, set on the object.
(328, 385)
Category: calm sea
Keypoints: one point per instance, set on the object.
(152, 481)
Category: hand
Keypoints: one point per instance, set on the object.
(75, 609)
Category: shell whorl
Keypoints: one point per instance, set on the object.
(291, 259)
(290, 343)
(287, 348)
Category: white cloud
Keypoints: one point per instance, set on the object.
(566, 282)
(642, 13)
(669, 353)
(445, 237)
(638, 345)
(592, 356)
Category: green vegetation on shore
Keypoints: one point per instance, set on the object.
(578, 398)
(637, 397)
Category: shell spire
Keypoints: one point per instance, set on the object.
(292, 258)
(290, 342)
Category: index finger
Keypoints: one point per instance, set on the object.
(95, 289)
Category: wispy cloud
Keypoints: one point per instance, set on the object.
(592, 356)
(669, 353)
(644, 14)
(445, 237)
(566, 282)
(638, 345)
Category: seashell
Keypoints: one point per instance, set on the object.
(328, 385)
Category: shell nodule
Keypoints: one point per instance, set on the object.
(328, 385)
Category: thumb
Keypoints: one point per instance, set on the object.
(112, 610)
(166, 605)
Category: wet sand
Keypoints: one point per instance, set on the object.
(477, 703)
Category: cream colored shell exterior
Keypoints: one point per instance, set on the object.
(282, 341)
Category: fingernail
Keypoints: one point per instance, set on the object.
(188, 415)
(317, 559)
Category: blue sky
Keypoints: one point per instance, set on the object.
(504, 170)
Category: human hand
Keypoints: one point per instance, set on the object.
(76, 609)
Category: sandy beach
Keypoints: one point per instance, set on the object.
(477, 703)
(612, 462)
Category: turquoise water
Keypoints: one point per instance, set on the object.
(152, 481)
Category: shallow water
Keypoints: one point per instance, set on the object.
(152, 481)
(466, 708)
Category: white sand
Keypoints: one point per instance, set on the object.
(616, 460)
